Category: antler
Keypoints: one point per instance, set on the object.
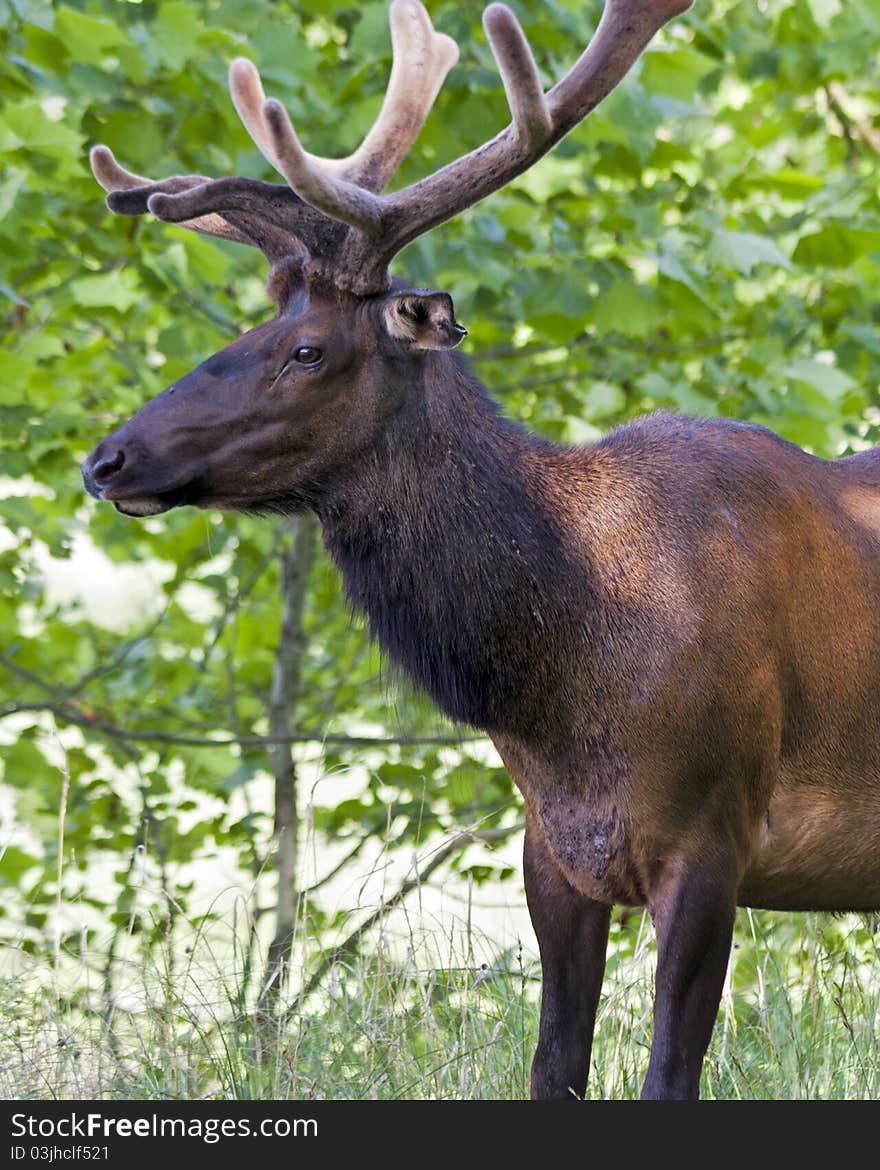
(274, 218)
(333, 209)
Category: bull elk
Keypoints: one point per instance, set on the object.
(672, 636)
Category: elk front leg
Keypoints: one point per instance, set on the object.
(572, 933)
(693, 911)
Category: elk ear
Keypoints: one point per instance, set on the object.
(423, 320)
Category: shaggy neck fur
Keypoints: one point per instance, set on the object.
(444, 537)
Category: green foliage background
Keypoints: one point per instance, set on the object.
(708, 241)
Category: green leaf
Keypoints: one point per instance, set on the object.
(552, 176)
(87, 38)
(176, 34)
(670, 265)
(27, 126)
(745, 250)
(14, 864)
(675, 71)
(578, 430)
(10, 186)
(829, 381)
(43, 48)
(625, 308)
(371, 36)
(835, 246)
(15, 371)
(119, 289)
(605, 399)
(790, 183)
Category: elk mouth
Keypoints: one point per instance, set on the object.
(154, 504)
(146, 506)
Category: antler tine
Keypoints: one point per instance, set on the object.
(625, 29)
(249, 97)
(335, 197)
(128, 193)
(251, 199)
(422, 58)
(192, 202)
(519, 75)
(110, 174)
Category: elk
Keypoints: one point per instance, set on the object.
(672, 636)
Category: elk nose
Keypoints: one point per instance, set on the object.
(104, 470)
(99, 469)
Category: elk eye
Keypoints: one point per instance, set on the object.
(308, 355)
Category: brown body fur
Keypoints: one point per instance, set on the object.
(748, 632)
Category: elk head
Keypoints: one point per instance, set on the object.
(266, 423)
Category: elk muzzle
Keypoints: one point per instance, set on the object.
(123, 472)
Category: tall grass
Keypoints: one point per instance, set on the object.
(435, 1014)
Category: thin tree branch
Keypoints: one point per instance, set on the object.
(617, 342)
(296, 566)
(443, 854)
(109, 667)
(854, 128)
(338, 868)
(232, 603)
(142, 735)
(852, 147)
